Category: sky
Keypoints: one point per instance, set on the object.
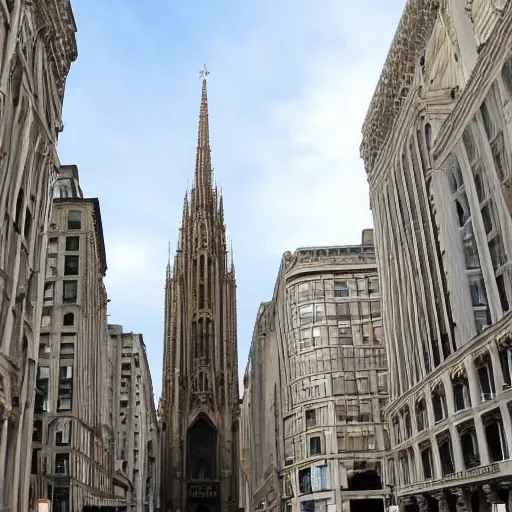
(290, 85)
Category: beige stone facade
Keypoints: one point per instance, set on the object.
(73, 435)
(137, 470)
(311, 435)
(199, 408)
(438, 152)
(37, 46)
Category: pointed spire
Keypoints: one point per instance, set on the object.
(203, 174)
(168, 269)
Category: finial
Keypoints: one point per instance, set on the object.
(204, 72)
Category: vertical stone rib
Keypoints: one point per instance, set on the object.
(203, 174)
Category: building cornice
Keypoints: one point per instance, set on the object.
(412, 35)
(55, 18)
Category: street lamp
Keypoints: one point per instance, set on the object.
(391, 499)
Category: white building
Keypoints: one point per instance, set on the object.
(437, 145)
(311, 433)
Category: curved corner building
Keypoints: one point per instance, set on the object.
(312, 438)
(437, 146)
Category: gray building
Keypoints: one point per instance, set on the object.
(311, 434)
(73, 435)
(36, 51)
(137, 477)
(437, 146)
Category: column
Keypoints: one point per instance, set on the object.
(491, 494)
(422, 502)
(437, 458)
(474, 384)
(457, 449)
(483, 449)
(463, 501)
(417, 460)
(441, 499)
(496, 367)
(448, 393)
(3, 462)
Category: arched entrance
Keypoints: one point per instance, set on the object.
(203, 493)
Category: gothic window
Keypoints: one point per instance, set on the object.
(476, 283)
(202, 449)
(439, 403)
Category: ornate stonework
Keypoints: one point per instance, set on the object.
(199, 407)
(411, 36)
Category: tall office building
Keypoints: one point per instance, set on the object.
(437, 146)
(36, 51)
(315, 387)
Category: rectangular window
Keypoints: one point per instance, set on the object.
(315, 446)
(305, 339)
(41, 396)
(72, 243)
(340, 288)
(62, 463)
(49, 288)
(70, 291)
(74, 220)
(364, 310)
(65, 401)
(53, 245)
(375, 310)
(361, 288)
(343, 311)
(377, 335)
(71, 265)
(317, 337)
(37, 434)
(319, 312)
(67, 350)
(373, 287)
(46, 318)
(62, 431)
(345, 336)
(306, 314)
(305, 481)
(310, 418)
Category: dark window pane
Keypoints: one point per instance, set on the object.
(72, 243)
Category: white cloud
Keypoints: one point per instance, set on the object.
(290, 85)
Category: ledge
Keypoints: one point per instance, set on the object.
(504, 468)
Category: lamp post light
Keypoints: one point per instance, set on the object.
(391, 499)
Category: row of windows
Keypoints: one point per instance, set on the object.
(331, 288)
(474, 454)
(65, 391)
(340, 312)
(462, 398)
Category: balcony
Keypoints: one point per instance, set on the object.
(467, 477)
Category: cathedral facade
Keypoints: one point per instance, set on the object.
(199, 408)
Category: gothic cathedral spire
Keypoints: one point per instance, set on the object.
(199, 409)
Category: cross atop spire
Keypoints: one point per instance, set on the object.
(203, 174)
(204, 72)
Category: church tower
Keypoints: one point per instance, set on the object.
(199, 408)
